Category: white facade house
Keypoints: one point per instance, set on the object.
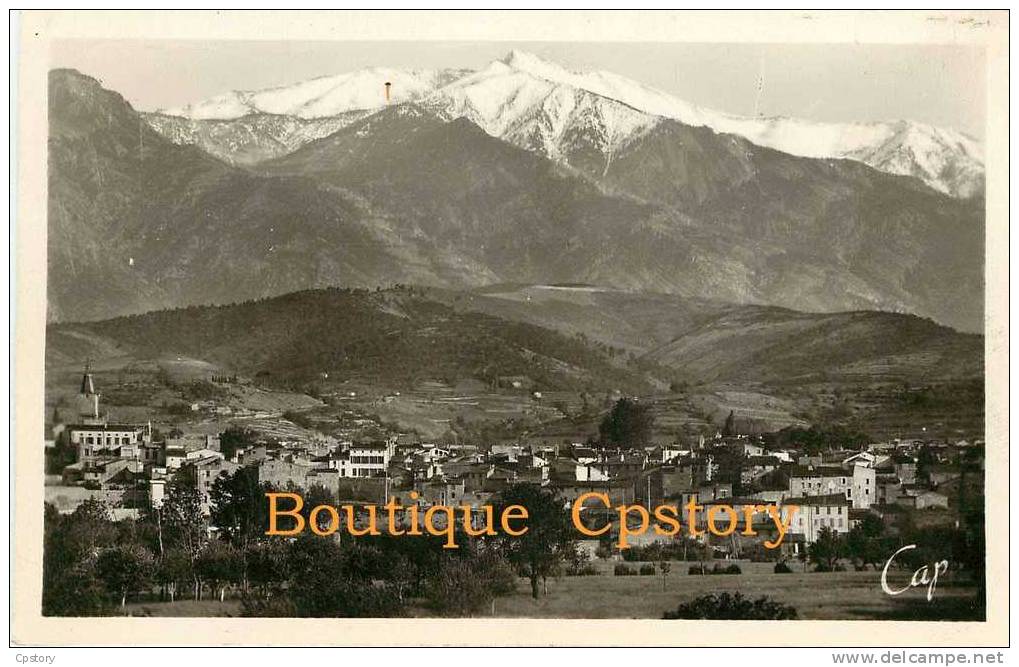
(857, 485)
(815, 513)
(99, 440)
(364, 460)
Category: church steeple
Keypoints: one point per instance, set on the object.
(88, 398)
(88, 387)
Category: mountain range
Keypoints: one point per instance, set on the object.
(540, 105)
(138, 223)
(404, 336)
(516, 173)
(704, 341)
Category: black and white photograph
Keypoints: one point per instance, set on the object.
(517, 329)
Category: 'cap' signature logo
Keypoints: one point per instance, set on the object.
(924, 576)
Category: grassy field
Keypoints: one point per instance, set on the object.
(829, 596)
(838, 595)
(185, 608)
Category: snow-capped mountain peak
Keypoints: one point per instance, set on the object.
(539, 104)
(322, 97)
(543, 106)
(525, 61)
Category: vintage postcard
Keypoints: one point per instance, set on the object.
(511, 328)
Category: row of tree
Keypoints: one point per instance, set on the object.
(93, 564)
(870, 544)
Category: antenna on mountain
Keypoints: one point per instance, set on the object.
(388, 85)
(759, 90)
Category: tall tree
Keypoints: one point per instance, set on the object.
(219, 565)
(72, 543)
(826, 549)
(266, 565)
(239, 508)
(173, 569)
(730, 425)
(186, 527)
(236, 438)
(864, 543)
(125, 569)
(628, 424)
(549, 537)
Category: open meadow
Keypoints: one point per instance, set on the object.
(815, 595)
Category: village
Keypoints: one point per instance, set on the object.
(898, 482)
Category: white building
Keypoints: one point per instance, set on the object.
(371, 460)
(815, 513)
(857, 485)
(94, 436)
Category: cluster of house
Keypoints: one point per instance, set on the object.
(834, 490)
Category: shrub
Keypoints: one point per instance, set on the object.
(782, 567)
(728, 606)
(457, 590)
(731, 568)
(343, 599)
(178, 409)
(585, 570)
(498, 574)
(623, 570)
(659, 551)
(467, 582)
(647, 569)
(274, 606)
(824, 567)
(578, 564)
(717, 568)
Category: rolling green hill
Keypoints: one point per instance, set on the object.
(562, 337)
(880, 373)
(390, 338)
(705, 341)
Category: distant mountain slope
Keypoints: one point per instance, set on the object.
(104, 163)
(249, 139)
(395, 337)
(138, 223)
(403, 336)
(247, 127)
(710, 341)
(778, 347)
(404, 196)
(519, 215)
(323, 97)
(542, 106)
(681, 210)
(635, 322)
(827, 234)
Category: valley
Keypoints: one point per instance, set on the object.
(526, 361)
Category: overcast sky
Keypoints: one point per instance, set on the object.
(942, 85)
